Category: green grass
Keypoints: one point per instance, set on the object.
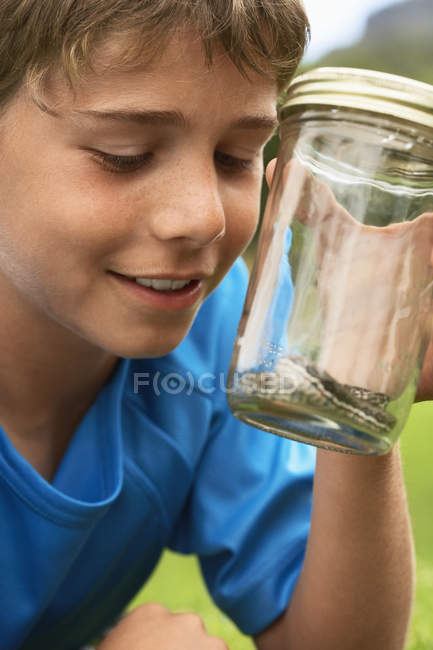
(417, 453)
(177, 583)
(421, 636)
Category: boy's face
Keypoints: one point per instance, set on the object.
(186, 209)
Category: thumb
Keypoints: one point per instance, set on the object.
(270, 168)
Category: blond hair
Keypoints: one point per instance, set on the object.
(36, 36)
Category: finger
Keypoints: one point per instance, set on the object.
(217, 644)
(191, 621)
(151, 610)
(425, 385)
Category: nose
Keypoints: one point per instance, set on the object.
(190, 207)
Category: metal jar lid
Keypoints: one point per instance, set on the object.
(365, 90)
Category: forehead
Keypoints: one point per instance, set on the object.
(178, 75)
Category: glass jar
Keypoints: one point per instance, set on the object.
(338, 312)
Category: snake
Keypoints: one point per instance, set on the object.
(302, 385)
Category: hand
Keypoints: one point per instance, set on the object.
(374, 290)
(153, 627)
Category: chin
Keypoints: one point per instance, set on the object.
(139, 348)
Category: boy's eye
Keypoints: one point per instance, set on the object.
(231, 163)
(125, 164)
(122, 164)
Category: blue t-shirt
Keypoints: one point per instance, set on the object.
(157, 461)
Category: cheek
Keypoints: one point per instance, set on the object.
(64, 223)
(242, 221)
(59, 204)
(52, 238)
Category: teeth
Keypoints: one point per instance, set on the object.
(163, 285)
(179, 284)
(144, 282)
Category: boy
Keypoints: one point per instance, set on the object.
(131, 138)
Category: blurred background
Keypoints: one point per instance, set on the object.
(388, 35)
(393, 36)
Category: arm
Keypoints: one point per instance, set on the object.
(357, 582)
(356, 587)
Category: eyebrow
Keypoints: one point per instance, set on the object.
(165, 118)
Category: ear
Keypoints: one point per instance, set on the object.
(270, 168)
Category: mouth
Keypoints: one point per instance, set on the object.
(163, 293)
(159, 284)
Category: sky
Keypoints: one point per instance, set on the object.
(337, 23)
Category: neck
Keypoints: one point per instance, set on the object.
(49, 376)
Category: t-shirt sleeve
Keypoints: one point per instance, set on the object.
(248, 513)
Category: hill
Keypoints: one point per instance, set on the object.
(397, 39)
